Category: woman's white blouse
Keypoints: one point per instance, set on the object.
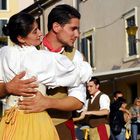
(51, 69)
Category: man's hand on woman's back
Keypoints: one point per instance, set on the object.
(20, 87)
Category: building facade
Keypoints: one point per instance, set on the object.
(113, 53)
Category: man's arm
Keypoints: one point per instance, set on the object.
(74, 101)
(40, 103)
(3, 91)
(81, 117)
(104, 103)
(19, 87)
(98, 113)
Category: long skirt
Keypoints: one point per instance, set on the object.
(15, 125)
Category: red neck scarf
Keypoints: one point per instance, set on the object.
(47, 44)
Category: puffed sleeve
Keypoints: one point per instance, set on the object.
(56, 70)
(78, 92)
(51, 69)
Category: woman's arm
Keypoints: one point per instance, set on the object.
(127, 115)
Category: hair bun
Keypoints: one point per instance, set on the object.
(5, 30)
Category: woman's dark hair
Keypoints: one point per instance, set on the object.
(62, 14)
(120, 101)
(19, 24)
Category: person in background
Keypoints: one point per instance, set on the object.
(97, 111)
(119, 116)
(24, 56)
(116, 95)
(135, 120)
(63, 27)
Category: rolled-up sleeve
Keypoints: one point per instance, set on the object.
(104, 102)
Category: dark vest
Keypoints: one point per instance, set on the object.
(61, 92)
(94, 120)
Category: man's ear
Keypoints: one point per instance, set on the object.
(56, 27)
(98, 86)
(21, 39)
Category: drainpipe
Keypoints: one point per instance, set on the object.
(41, 12)
(76, 5)
(43, 18)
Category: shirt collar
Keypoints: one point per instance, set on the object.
(93, 97)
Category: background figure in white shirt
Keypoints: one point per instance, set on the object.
(97, 111)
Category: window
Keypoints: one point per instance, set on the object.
(3, 4)
(3, 38)
(130, 19)
(131, 39)
(87, 48)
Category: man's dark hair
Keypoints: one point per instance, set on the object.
(62, 15)
(117, 92)
(95, 80)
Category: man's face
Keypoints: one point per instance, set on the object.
(138, 102)
(118, 95)
(68, 33)
(92, 88)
